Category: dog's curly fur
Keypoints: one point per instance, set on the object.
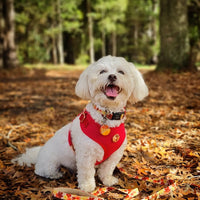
(128, 84)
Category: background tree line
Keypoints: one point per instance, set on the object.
(81, 31)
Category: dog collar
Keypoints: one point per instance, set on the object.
(111, 115)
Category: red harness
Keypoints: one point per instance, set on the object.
(110, 143)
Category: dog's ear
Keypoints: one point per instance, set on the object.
(140, 90)
(82, 86)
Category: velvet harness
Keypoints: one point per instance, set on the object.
(110, 143)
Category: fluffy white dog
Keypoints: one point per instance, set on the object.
(96, 138)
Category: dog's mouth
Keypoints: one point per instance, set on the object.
(111, 91)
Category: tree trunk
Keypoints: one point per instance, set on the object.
(60, 48)
(153, 21)
(60, 37)
(54, 50)
(90, 31)
(136, 33)
(193, 58)
(153, 30)
(174, 40)
(9, 49)
(103, 36)
(103, 47)
(114, 44)
(1, 34)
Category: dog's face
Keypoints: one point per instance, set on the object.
(111, 82)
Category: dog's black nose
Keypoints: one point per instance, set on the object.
(112, 77)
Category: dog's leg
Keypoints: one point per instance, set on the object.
(86, 172)
(105, 171)
(49, 170)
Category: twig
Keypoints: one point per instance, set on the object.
(7, 137)
(137, 126)
(11, 145)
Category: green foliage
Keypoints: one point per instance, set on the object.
(37, 23)
(133, 22)
(110, 13)
(71, 15)
(83, 59)
(141, 31)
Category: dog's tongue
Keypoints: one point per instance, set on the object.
(112, 91)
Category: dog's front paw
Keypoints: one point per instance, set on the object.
(87, 187)
(109, 181)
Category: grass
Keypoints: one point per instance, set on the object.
(67, 67)
(146, 67)
(49, 66)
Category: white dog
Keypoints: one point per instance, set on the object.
(95, 138)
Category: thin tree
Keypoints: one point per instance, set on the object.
(1, 34)
(90, 31)
(60, 37)
(9, 48)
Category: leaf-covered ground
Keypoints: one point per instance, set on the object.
(163, 134)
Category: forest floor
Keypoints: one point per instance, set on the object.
(162, 158)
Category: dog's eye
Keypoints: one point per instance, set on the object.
(121, 72)
(102, 71)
